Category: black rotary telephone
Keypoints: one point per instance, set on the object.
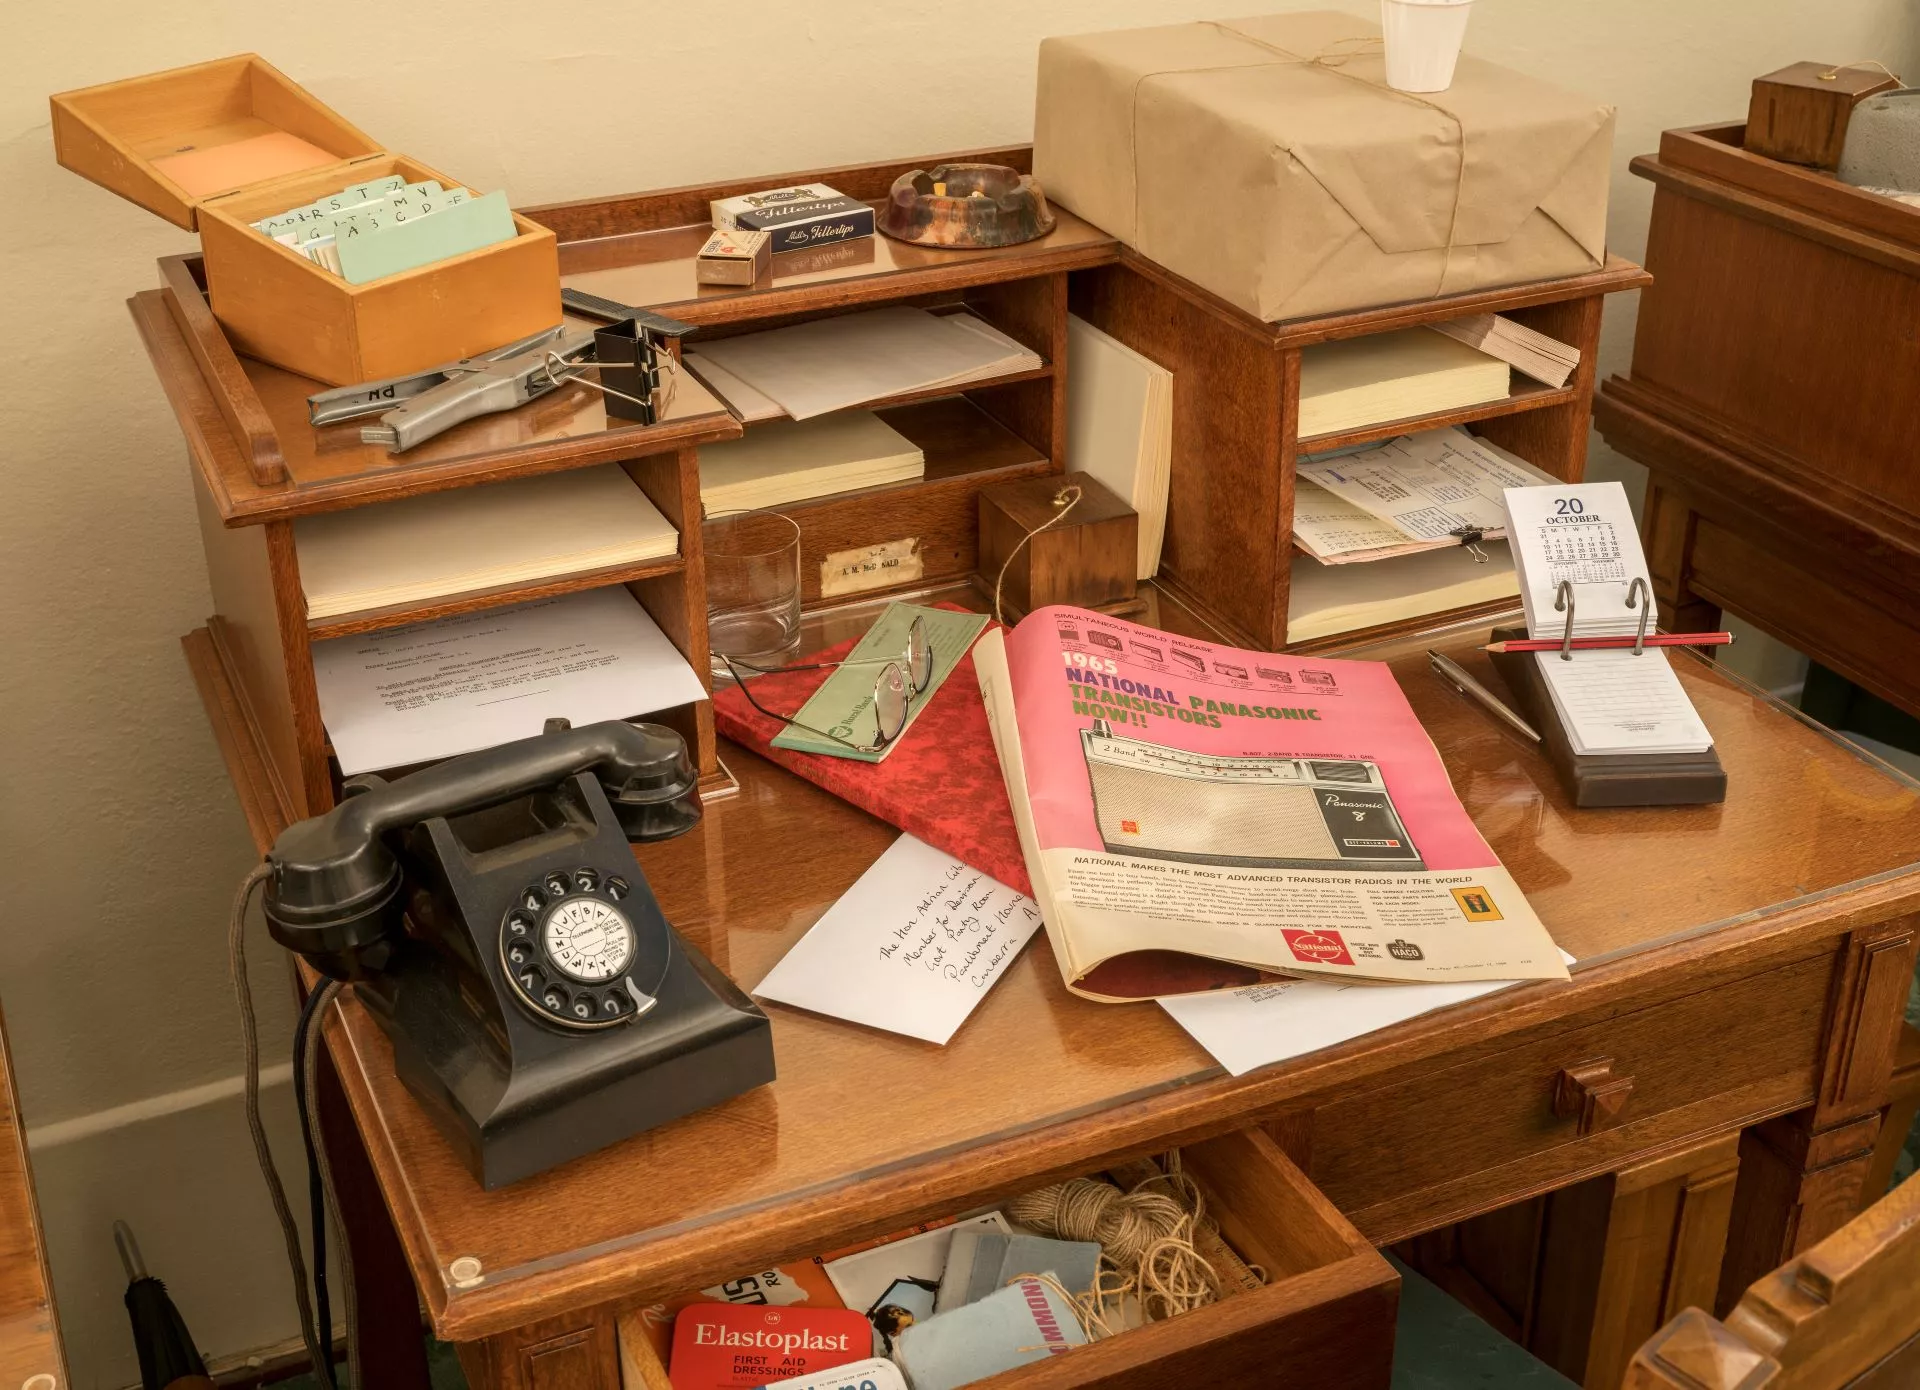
(490, 915)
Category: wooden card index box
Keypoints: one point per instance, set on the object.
(1087, 559)
(274, 303)
(1799, 114)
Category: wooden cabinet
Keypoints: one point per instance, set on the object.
(1772, 397)
(640, 250)
(1229, 545)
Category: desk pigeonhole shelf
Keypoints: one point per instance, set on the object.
(274, 303)
(641, 250)
(1324, 1318)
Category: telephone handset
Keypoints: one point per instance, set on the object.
(491, 915)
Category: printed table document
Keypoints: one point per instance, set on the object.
(912, 947)
(1424, 488)
(434, 690)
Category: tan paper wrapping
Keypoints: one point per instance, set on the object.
(1267, 160)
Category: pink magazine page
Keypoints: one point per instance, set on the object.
(1071, 667)
(1195, 804)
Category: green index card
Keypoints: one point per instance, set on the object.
(843, 705)
(410, 241)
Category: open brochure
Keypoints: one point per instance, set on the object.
(1194, 815)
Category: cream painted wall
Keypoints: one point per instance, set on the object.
(119, 841)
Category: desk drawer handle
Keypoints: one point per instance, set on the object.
(1592, 1094)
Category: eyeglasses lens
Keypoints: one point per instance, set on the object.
(890, 702)
(919, 657)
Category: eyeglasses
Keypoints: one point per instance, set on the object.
(901, 680)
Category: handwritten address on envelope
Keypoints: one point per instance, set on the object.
(912, 947)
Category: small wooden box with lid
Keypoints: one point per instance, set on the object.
(168, 140)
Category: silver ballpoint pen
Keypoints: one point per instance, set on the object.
(1451, 672)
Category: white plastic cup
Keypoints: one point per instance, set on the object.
(1423, 42)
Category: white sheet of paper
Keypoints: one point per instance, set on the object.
(1429, 484)
(1244, 1029)
(912, 947)
(830, 364)
(434, 690)
(1616, 702)
(1584, 534)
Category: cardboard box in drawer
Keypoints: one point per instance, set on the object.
(220, 145)
(1267, 160)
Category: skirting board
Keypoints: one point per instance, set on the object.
(179, 1169)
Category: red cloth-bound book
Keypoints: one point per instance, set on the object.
(942, 784)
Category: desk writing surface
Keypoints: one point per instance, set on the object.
(856, 1110)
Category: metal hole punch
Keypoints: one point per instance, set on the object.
(1563, 601)
(416, 407)
(1639, 586)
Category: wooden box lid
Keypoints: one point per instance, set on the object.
(174, 141)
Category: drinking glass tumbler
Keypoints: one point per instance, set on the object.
(753, 588)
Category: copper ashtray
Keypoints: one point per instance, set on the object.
(966, 207)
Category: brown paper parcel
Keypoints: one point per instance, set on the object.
(1267, 160)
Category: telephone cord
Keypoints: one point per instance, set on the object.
(249, 1031)
(322, 999)
(303, 1091)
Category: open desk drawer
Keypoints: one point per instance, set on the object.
(1325, 1318)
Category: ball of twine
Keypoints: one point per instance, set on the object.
(1146, 1235)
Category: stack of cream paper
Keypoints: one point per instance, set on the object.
(1583, 535)
(785, 461)
(448, 543)
(1356, 382)
(811, 368)
(1120, 428)
(1417, 492)
(1326, 599)
(1527, 351)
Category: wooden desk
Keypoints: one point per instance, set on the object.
(1772, 398)
(30, 1355)
(1744, 965)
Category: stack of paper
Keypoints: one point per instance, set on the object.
(1120, 428)
(785, 461)
(1417, 492)
(1534, 354)
(1326, 599)
(1615, 702)
(1356, 382)
(1611, 702)
(433, 690)
(472, 538)
(811, 368)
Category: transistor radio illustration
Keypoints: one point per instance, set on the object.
(1264, 813)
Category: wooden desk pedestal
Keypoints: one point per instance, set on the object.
(1702, 1100)
(1773, 399)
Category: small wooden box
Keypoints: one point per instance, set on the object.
(274, 303)
(1088, 559)
(1799, 114)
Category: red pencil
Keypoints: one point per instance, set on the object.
(1610, 644)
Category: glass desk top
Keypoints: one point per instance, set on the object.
(1807, 817)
